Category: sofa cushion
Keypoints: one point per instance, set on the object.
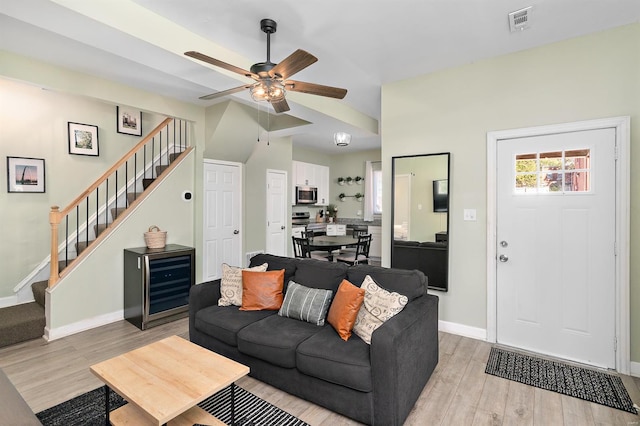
(379, 306)
(306, 304)
(262, 290)
(289, 264)
(275, 339)
(224, 322)
(326, 356)
(320, 274)
(412, 284)
(344, 309)
(231, 284)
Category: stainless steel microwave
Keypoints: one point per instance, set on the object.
(306, 195)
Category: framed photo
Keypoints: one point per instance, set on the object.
(25, 174)
(83, 139)
(129, 121)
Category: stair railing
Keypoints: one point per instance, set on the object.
(92, 206)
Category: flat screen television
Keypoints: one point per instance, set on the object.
(440, 195)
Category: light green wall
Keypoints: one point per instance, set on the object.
(33, 123)
(98, 281)
(275, 156)
(343, 165)
(307, 155)
(584, 78)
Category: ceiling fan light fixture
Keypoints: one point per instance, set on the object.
(341, 138)
(267, 90)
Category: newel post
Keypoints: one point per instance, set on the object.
(54, 220)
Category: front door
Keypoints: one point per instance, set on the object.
(222, 217)
(556, 245)
(277, 212)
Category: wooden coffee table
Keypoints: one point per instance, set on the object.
(163, 382)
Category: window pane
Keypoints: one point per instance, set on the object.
(526, 163)
(526, 182)
(577, 159)
(550, 161)
(576, 181)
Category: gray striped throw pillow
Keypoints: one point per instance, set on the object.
(306, 304)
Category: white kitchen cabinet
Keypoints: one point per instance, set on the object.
(375, 249)
(322, 175)
(308, 174)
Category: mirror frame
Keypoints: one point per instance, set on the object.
(445, 286)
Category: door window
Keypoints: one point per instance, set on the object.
(555, 172)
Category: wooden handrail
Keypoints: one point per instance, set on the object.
(115, 167)
(56, 215)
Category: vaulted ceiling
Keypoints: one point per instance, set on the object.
(360, 45)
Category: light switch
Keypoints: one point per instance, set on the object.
(470, 214)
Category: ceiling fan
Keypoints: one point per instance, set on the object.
(271, 80)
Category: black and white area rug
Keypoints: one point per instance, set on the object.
(88, 409)
(583, 383)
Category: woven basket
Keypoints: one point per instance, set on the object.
(155, 238)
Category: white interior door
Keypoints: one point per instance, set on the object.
(222, 217)
(402, 207)
(277, 212)
(556, 245)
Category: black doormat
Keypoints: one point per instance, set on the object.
(88, 410)
(583, 383)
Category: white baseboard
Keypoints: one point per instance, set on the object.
(77, 327)
(635, 369)
(462, 330)
(8, 301)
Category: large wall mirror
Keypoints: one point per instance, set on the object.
(420, 216)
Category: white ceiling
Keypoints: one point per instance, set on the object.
(360, 44)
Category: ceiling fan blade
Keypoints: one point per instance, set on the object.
(280, 106)
(293, 63)
(213, 61)
(315, 89)
(225, 92)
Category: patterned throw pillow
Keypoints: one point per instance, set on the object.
(379, 306)
(231, 284)
(306, 304)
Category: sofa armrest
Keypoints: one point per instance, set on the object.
(404, 353)
(201, 296)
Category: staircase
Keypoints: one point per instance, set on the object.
(27, 321)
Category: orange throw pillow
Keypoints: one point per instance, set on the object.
(262, 290)
(344, 308)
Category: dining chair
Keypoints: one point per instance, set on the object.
(356, 233)
(301, 249)
(361, 255)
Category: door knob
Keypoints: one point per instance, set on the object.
(503, 244)
(236, 232)
(282, 227)
(503, 258)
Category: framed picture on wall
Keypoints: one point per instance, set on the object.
(25, 174)
(129, 121)
(83, 139)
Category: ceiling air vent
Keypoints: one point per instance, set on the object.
(519, 20)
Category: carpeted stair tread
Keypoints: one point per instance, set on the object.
(20, 323)
(160, 169)
(115, 212)
(146, 182)
(39, 290)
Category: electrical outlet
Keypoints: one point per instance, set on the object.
(470, 214)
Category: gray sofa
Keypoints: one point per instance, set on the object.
(377, 384)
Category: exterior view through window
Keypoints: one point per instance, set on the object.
(557, 172)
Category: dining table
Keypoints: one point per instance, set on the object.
(330, 243)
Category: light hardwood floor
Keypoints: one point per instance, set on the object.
(458, 393)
